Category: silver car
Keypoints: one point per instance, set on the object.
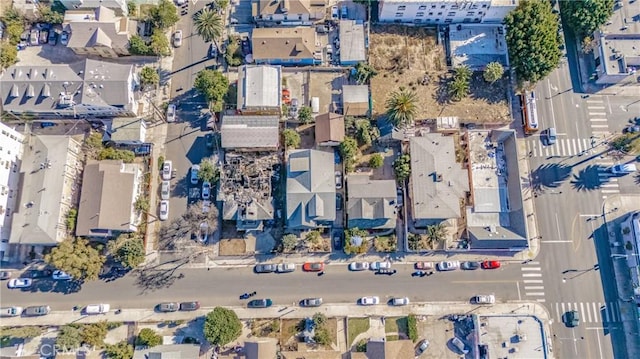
(265, 268)
(311, 302)
(165, 190)
(10, 311)
(448, 265)
(167, 169)
(285, 268)
(398, 302)
(358, 266)
(164, 210)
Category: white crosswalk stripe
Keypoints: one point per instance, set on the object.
(562, 147)
(532, 279)
(590, 312)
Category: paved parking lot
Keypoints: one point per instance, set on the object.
(328, 87)
(46, 55)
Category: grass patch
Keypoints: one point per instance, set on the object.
(287, 330)
(357, 326)
(396, 325)
(392, 337)
(332, 327)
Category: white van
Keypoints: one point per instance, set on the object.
(97, 308)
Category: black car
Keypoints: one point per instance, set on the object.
(572, 318)
(36, 311)
(38, 273)
(338, 202)
(260, 303)
(167, 307)
(53, 38)
(470, 265)
(189, 306)
(246, 46)
(387, 271)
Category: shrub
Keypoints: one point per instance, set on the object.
(148, 337)
(412, 327)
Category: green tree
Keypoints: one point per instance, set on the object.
(222, 4)
(113, 154)
(214, 86)
(128, 251)
(415, 242)
(77, 258)
(233, 56)
(291, 138)
(289, 242)
(208, 172)
(159, 43)
(363, 132)
(402, 167)
(222, 326)
(141, 204)
(24, 332)
(149, 76)
(376, 160)
(364, 72)
(94, 333)
(14, 21)
(132, 8)
(412, 327)
(436, 233)
(585, 17)
(401, 107)
(70, 221)
(208, 24)
(305, 115)
(148, 337)
(69, 337)
(137, 46)
(533, 40)
(164, 15)
(322, 336)
(48, 15)
(319, 319)
(348, 151)
(493, 72)
(623, 143)
(458, 88)
(121, 350)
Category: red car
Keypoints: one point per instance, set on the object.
(313, 267)
(490, 264)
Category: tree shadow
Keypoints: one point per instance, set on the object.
(588, 179)
(154, 277)
(549, 176)
(55, 286)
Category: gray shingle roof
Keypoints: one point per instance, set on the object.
(311, 191)
(172, 351)
(250, 132)
(283, 43)
(437, 181)
(371, 203)
(99, 27)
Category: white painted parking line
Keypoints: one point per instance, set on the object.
(531, 268)
(532, 274)
(533, 263)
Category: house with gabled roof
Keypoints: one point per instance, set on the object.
(98, 32)
(371, 204)
(311, 190)
(297, 46)
(329, 129)
(250, 133)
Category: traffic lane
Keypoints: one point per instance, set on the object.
(223, 286)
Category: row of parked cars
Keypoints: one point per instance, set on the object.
(445, 266)
(316, 302)
(42, 34)
(27, 282)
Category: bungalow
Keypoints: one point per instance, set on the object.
(297, 46)
(329, 129)
(371, 204)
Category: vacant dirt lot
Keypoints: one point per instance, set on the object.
(409, 57)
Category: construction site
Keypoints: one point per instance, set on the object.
(245, 188)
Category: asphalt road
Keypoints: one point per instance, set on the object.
(223, 286)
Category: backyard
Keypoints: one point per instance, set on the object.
(409, 57)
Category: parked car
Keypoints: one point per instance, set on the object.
(396, 302)
(203, 235)
(246, 46)
(358, 266)
(4, 275)
(311, 302)
(18, 283)
(194, 174)
(260, 303)
(387, 271)
(44, 36)
(64, 38)
(572, 318)
(623, 168)
(171, 113)
(379, 265)
(369, 300)
(209, 138)
(337, 241)
(338, 179)
(334, 12)
(344, 12)
(177, 38)
(164, 210)
(97, 309)
(490, 265)
(206, 190)
(338, 202)
(550, 136)
(470, 265)
(165, 189)
(36, 311)
(10, 311)
(213, 51)
(293, 108)
(421, 347)
(483, 299)
(189, 306)
(60, 275)
(631, 129)
(34, 36)
(47, 124)
(37, 273)
(265, 268)
(458, 344)
(53, 37)
(167, 307)
(167, 169)
(336, 156)
(448, 265)
(286, 268)
(424, 265)
(313, 267)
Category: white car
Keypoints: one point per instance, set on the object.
(334, 12)
(484, 299)
(369, 300)
(165, 189)
(97, 308)
(164, 210)
(203, 236)
(624, 168)
(19, 283)
(177, 38)
(397, 302)
(380, 265)
(358, 266)
(285, 268)
(194, 174)
(206, 190)
(206, 206)
(448, 265)
(171, 113)
(60, 275)
(338, 179)
(10, 311)
(167, 169)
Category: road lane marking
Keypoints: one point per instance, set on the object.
(582, 309)
(599, 126)
(610, 185)
(484, 281)
(598, 120)
(558, 313)
(595, 312)
(532, 281)
(605, 316)
(610, 191)
(535, 294)
(531, 268)
(590, 215)
(541, 300)
(531, 274)
(575, 148)
(588, 313)
(533, 263)
(518, 286)
(533, 287)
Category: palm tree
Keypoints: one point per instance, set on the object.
(436, 233)
(208, 24)
(401, 107)
(458, 89)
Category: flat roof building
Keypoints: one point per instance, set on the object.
(352, 44)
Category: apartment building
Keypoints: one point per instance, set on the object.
(434, 12)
